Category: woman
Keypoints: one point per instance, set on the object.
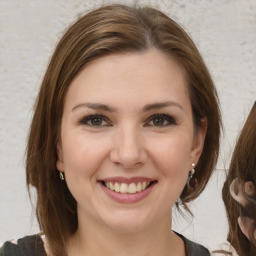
(239, 193)
(126, 124)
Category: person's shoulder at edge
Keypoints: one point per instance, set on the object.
(226, 249)
(192, 248)
(24, 246)
(9, 248)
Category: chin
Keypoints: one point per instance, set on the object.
(127, 223)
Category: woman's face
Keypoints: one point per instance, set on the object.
(127, 140)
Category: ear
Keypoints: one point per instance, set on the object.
(198, 142)
(60, 163)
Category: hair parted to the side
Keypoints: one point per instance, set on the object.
(242, 167)
(109, 30)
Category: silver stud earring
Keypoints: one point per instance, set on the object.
(62, 176)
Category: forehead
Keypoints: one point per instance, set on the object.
(130, 77)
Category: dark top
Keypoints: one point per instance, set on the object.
(34, 246)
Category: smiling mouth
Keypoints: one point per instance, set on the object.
(125, 188)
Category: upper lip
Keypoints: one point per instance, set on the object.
(126, 180)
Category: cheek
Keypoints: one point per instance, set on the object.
(173, 155)
(83, 155)
(172, 160)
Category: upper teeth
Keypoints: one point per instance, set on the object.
(125, 188)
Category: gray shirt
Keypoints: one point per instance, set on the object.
(34, 246)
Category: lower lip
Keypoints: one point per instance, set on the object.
(127, 198)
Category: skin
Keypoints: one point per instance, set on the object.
(128, 142)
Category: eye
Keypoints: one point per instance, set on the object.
(161, 120)
(94, 120)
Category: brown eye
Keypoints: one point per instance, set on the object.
(158, 121)
(95, 121)
(161, 120)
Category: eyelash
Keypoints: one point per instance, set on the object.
(87, 119)
(166, 119)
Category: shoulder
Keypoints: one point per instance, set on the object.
(194, 249)
(225, 249)
(9, 248)
(29, 246)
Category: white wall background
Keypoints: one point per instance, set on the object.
(225, 33)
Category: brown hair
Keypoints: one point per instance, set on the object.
(242, 167)
(109, 30)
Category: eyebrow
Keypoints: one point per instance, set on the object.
(96, 106)
(160, 105)
(146, 108)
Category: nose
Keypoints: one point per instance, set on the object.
(128, 148)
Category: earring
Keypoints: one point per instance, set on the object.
(62, 176)
(190, 180)
(192, 172)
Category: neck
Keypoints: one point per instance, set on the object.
(93, 238)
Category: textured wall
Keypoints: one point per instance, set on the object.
(225, 33)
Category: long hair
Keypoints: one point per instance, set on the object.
(109, 30)
(242, 168)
